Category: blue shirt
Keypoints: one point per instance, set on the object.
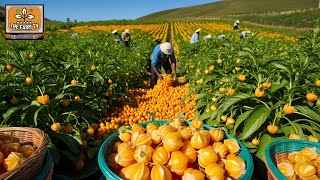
(222, 36)
(158, 59)
(117, 37)
(194, 38)
(243, 34)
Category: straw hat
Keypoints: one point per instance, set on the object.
(237, 21)
(198, 30)
(248, 32)
(208, 36)
(166, 48)
(127, 30)
(114, 31)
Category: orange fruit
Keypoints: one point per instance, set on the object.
(312, 138)
(56, 127)
(233, 145)
(77, 98)
(139, 171)
(231, 91)
(74, 82)
(68, 129)
(288, 109)
(215, 171)
(10, 67)
(7, 148)
(242, 77)
(266, 85)
(160, 155)
(90, 131)
(43, 99)
(14, 100)
(294, 136)
(13, 161)
(110, 81)
(191, 173)
(272, 128)
(65, 103)
(311, 97)
(1, 157)
(160, 172)
(222, 90)
(93, 68)
(317, 83)
(31, 55)
(259, 92)
(29, 80)
(255, 141)
(26, 150)
(178, 162)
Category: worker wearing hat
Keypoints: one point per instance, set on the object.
(244, 34)
(126, 37)
(222, 36)
(162, 55)
(117, 36)
(207, 37)
(236, 25)
(195, 36)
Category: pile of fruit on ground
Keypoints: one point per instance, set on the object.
(167, 100)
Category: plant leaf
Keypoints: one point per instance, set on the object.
(233, 100)
(265, 140)
(240, 119)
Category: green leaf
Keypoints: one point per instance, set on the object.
(199, 96)
(265, 140)
(233, 100)
(240, 119)
(69, 141)
(306, 111)
(200, 104)
(92, 152)
(295, 129)
(205, 115)
(248, 144)
(283, 67)
(277, 86)
(12, 111)
(35, 117)
(255, 120)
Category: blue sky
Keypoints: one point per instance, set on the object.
(90, 10)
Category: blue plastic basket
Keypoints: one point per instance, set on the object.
(278, 150)
(107, 148)
(46, 172)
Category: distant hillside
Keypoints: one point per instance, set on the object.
(233, 7)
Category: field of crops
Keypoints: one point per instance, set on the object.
(80, 89)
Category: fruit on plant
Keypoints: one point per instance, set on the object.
(237, 68)
(10, 67)
(160, 155)
(79, 165)
(221, 149)
(74, 82)
(224, 118)
(77, 98)
(266, 85)
(139, 171)
(93, 68)
(65, 103)
(259, 92)
(56, 127)
(178, 162)
(214, 99)
(255, 141)
(233, 145)
(13, 160)
(231, 91)
(189, 151)
(230, 121)
(206, 71)
(242, 77)
(286, 168)
(191, 173)
(235, 166)
(160, 172)
(211, 68)
(311, 97)
(90, 132)
(222, 90)
(288, 109)
(31, 55)
(206, 156)
(215, 171)
(216, 135)
(68, 129)
(26, 150)
(219, 61)
(312, 138)
(199, 140)
(172, 141)
(213, 108)
(318, 83)
(143, 154)
(294, 136)
(238, 61)
(43, 99)
(15, 100)
(110, 81)
(107, 94)
(29, 80)
(272, 128)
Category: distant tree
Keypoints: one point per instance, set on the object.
(68, 19)
(75, 21)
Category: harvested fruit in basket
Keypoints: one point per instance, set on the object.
(304, 164)
(13, 153)
(175, 151)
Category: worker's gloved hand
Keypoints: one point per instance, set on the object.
(160, 77)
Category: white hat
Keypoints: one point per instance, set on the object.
(237, 21)
(166, 48)
(208, 36)
(114, 31)
(248, 32)
(127, 30)
(198, 30)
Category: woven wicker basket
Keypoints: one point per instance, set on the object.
(278, 151)
(33, 165)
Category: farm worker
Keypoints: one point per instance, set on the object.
(222, 36)
(244, 34)
(74, 35)
(117, 36)
(207, 37)
(236, 25)
(162, 55)
(126, 37)
(195, 36)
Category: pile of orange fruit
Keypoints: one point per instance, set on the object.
(175, 151)
(13, 153)
(304, 164)
(167, 100)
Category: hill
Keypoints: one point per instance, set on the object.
(2, 13)
(233, 7)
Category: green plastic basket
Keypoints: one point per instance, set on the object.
(278, 150)
(107, 148)
(47, 167)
